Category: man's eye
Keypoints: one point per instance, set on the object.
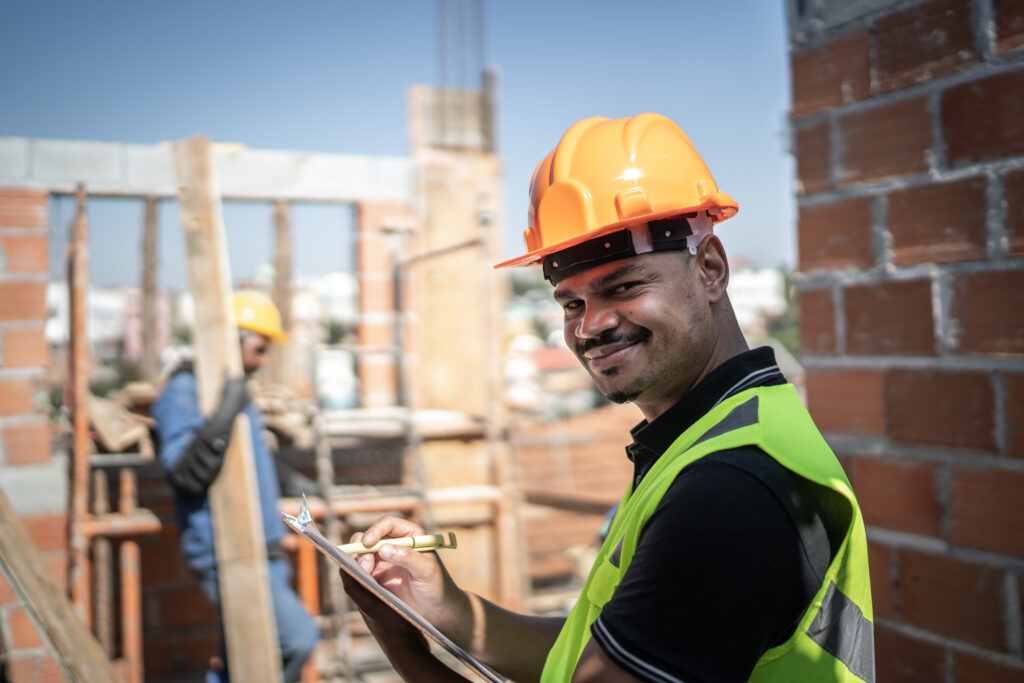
(623, 287)
(573, 305)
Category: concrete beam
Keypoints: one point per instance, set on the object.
(122, 170)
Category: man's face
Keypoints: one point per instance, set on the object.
(254, 352)
(641, 327)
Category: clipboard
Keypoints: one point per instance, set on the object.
(303, 525)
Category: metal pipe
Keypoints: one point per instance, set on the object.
(103, 574)
(80, 569)
(131, 585)
(309, 593)
(117, 525)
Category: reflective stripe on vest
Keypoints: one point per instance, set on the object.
(833, 641)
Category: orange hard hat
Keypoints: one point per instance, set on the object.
(609, 175)
(257, 313)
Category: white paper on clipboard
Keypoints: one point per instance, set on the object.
(303, 525)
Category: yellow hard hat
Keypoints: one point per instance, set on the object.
(257, 313)
(608, 175)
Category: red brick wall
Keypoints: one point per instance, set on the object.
(908, 131)
(31, 480)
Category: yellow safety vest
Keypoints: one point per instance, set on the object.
(834, 639)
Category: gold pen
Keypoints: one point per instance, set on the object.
(417, 543)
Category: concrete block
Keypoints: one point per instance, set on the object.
(14, 155)
(36, 489)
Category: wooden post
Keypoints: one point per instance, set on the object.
(149, 364)
(282, 293)
(246, 609)
(76, 652)
(80, 566)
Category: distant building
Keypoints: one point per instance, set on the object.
(756, 294)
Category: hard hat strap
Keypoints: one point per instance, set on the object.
(667, 234)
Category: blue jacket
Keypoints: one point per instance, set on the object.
(178, 418)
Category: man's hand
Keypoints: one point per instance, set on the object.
(419, 580)
(200, 464)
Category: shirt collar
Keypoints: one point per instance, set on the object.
(755, 368)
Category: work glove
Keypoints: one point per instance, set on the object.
(200, 464)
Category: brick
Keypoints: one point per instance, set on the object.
(24, 347)
(852, 401)
(817, 321)
(376, 335)
(813, 160)
(27, 442)
(988, 510)
(902, 495)
(924, 42)
(23, 631)
(847, 463)
(984, 119)
(970, 668)
(178, 655)
(56, 566)
(15, 395)
(890, 318)
(839, 72)
(22, 300)
(374, 253)
(882, 599)
(886, 141)
(987, 313)
(187, 606)
(161, 559)
(34, 668)
(941, 408)
(377, 378)
(376, 296)
(48, 532)
(902, 659)
(23, 208)
(1014, 420)
(836, 235)
(24, 253)
(952, 598)
(1013, 211)
(1008, 18)
(938, 223)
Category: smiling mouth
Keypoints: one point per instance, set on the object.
(602, 352)
(607, 359)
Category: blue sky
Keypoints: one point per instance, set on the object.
(332, 76)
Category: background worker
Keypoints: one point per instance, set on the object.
(738, 550)
(192, 449)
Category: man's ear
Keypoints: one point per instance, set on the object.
(714, 267)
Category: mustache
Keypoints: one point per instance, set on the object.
(609, 337)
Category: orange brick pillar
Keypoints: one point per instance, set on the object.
(908, 127)
(32, 479)
(380, 228)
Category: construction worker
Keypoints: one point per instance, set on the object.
(738, 550)
(192, 448)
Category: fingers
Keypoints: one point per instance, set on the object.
(388, 527)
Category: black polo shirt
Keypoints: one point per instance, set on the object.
(731, 557)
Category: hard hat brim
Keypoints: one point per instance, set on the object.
(726, 207)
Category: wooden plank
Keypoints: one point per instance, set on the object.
(249, 628)
(280, 365)
(76, 652)
(149, 363)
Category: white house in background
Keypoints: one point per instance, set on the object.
(105, 313)
(756, 293)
